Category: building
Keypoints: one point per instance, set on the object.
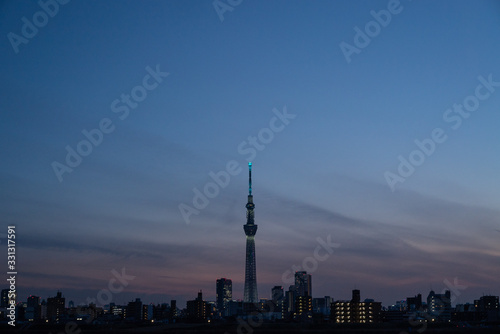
(250, 295)
(134, 311)
(224, 294)
(32, 312)
(196, 309)
(303, 308)
(289, 303)
(465, 313)
(4, 301)
(55, 307)
(303, 284)
(278, 298)
(147, 312)
(487, 308)
(414, 304)
(486, 303)
(173, 310)
(439, 306)
(355, 311)
(322, 305)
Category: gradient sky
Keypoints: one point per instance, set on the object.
(323, 174)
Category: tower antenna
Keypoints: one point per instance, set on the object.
(250, 178)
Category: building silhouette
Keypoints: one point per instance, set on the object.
(250, 295)
(278, 298)
(197, 309)
(173, 310)
(32, 312)
(134, 312)
(414, 304)
(55, 307)
(487, 308)
(224, 294)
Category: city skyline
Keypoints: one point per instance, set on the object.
(127, 128)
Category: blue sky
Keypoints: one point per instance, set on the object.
(323, 174)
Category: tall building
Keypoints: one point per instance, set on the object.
(133, 311)
(250, 228)
(55, 307)
(278, 297)
(289, 303)
(173, 310)
(196, 309)
(303, 284)
(224, 294)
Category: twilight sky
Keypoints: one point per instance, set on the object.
(327, 102)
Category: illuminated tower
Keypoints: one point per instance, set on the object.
(250, 230)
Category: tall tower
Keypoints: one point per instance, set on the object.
(250, 230)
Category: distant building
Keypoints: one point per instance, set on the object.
(321, 305)
(303, 308)
(161, 312)
(414, 304)
(439, 306)
(147, 312)
(303, 283)
(235, 308)
(4, 301)
(224, 294)
(289, 303)
(43, 309)
(278, 299)
(487, 307)
(196, 309)
(173, 310)
(118, 310)
(134, 311)
(465, 313)
(32, 312)
(55, 307)
(487, 303)
(355, 311)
